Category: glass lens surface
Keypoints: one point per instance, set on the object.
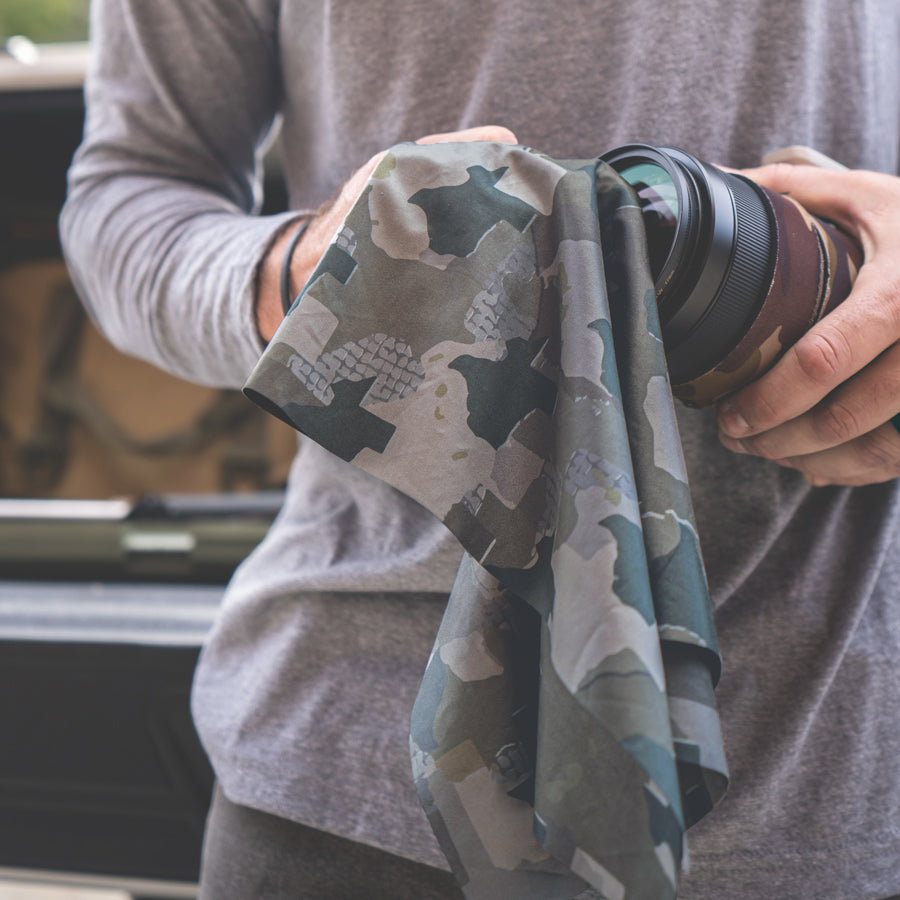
(658, 200)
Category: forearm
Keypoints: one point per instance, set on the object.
(169, 271)
(159, 227)
(321, 226)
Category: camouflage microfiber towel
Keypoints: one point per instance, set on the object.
(482, 335)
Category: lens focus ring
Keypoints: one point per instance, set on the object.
(743, 288)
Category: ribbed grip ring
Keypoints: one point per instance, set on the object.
(744, 286)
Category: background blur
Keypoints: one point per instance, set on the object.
(127, 497)
(44, 21)
(21, 891)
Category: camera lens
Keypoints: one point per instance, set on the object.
(711, 241)
(658, 200)
(740, 272)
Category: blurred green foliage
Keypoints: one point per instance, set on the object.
(44, 21)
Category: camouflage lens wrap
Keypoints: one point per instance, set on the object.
(815, 267)
(483, 336)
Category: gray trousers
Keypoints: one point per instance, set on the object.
(251, 854)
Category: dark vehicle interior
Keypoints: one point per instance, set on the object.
(127, 499)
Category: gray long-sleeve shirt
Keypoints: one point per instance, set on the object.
(303, 691)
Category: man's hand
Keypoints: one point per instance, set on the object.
(825, 407)
(324, 226)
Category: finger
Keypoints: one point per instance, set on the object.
(870, 459)
(853, 408)
(855, 200)
(836, 348)
(479, 133)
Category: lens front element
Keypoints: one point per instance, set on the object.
(658, 200)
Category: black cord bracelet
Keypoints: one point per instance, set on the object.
(286, 299)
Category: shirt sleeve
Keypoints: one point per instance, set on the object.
(160, 227)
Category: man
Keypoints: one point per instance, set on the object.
(325, 630)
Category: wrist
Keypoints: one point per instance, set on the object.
(286, 292)
(269, 310)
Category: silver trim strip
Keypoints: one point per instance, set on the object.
(178, 890)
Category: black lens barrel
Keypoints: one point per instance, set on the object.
(744, 287)
(722, 259)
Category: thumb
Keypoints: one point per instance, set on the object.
(829, 193)
(479, 133)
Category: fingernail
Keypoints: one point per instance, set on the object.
(732, 422)
(732, 444)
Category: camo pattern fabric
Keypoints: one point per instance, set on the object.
(815, 267)
(482, 335)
